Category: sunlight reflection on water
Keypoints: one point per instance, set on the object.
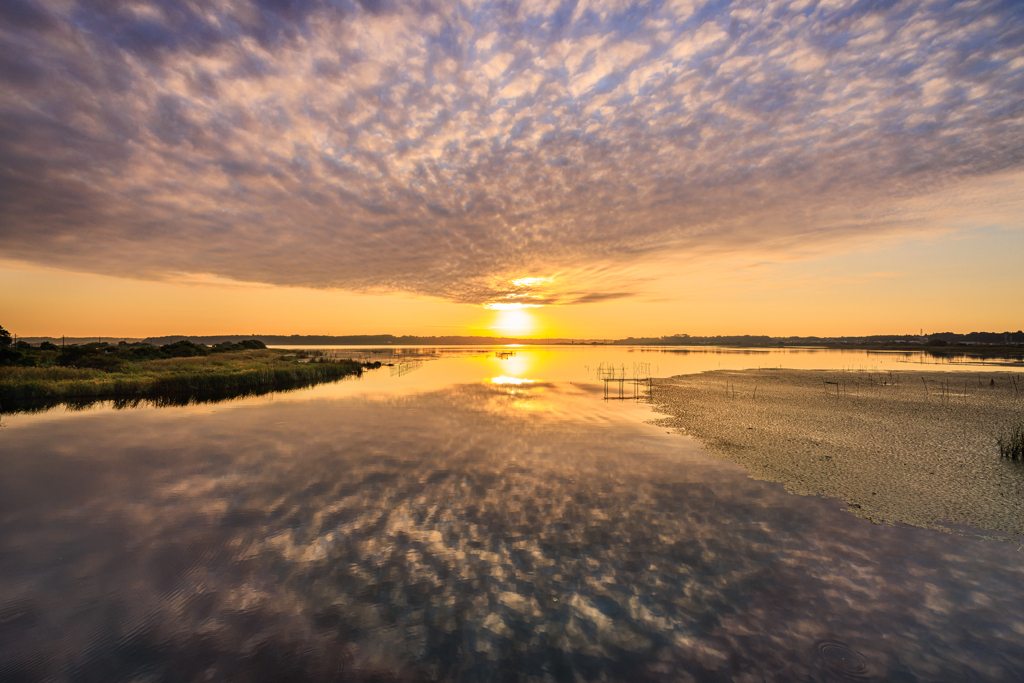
(503, 379)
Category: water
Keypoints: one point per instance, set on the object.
(471, 518)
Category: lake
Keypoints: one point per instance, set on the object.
(468, 514)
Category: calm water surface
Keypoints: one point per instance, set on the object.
(466, 518)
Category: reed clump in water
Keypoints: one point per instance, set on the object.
(1011, 443)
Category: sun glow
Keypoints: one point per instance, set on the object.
(515, 321)
(531, 281)
(510, 307)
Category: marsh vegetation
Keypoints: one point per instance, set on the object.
(1011, 443)
(181, 369)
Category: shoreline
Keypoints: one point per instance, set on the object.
(224, 373)
(911, 447)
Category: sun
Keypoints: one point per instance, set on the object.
(515, 321)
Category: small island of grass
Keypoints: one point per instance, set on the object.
(103, 371)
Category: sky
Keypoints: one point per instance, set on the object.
(590, 169)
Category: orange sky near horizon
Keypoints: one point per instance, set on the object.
(896, 288)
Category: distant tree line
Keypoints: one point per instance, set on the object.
(979, 337)
(108, 357)
(687, 340)
(354, 340)
(938, 339)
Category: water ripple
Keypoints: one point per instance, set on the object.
(842, 659)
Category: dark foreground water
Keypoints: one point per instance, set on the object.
(477, 531)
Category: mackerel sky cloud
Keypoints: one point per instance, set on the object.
(447, 149)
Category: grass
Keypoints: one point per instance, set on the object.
(223, 373)
(1011, 443)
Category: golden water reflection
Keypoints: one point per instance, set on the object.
(503, 379)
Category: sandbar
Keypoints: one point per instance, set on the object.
(910, 447)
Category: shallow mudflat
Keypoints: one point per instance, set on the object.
(911, 447)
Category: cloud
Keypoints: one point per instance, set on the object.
(446, 149)
(594, 297)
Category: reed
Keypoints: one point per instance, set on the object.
(1011, 443)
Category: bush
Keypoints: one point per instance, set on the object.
(89, 356)
(49, 346)
(183, 349)
(86, 357)
(71, 355)
(144, 352)
(9, 356)
(244, 345)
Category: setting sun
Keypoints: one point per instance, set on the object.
(515, 321)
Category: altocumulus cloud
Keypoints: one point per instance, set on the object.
(447, 148)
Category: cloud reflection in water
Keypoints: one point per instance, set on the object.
(445, 537)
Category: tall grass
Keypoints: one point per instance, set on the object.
(221, 374)
(1011, 443)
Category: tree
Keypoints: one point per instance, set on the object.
(5, 337)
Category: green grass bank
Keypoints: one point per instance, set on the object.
(220, 373)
